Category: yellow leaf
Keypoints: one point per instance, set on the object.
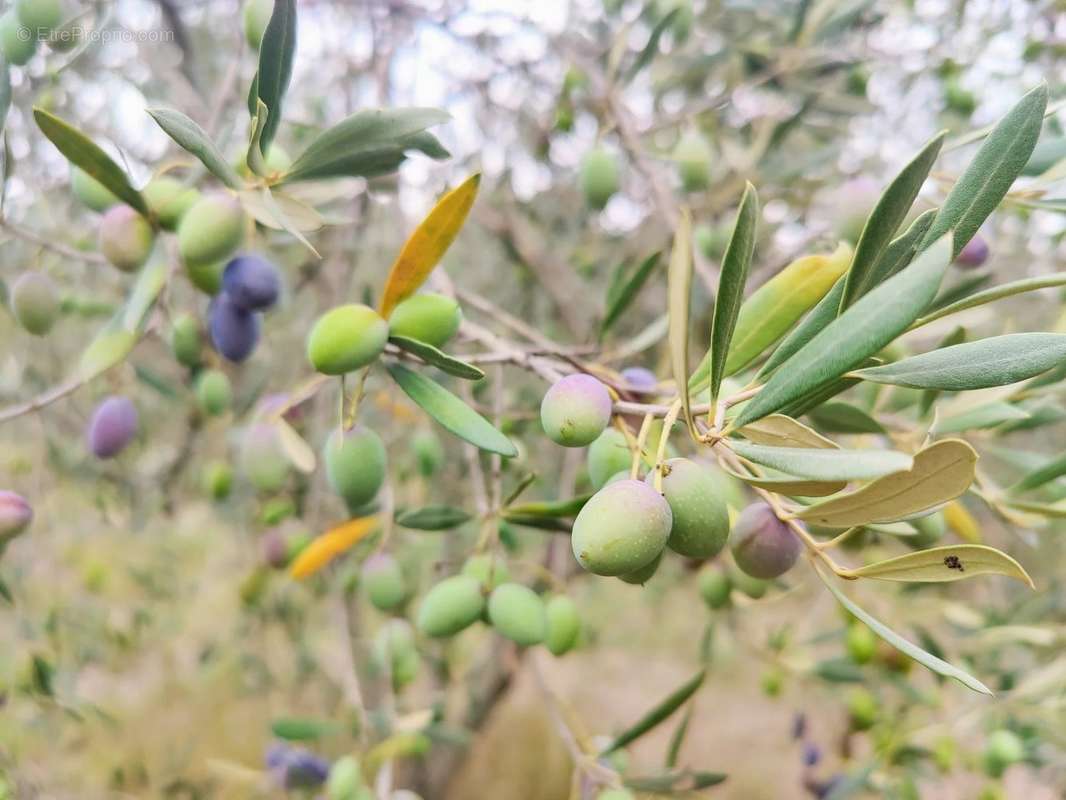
(777, 430)
(330, 545)
(950, 563)
(794, 487)
(962, 522)
(426, 246)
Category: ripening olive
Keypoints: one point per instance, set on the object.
(251, 282)
(34, 302)
(762, 545)
(262, 459)
(452, 605)
(385, 584)
(211, 230)
(429, 318)
(217, 480)
(644, 574)
(693, 157)
(599, 177)
(575, 410)
(488, 570)
(17, 42)
(125, 238)
(16, 514)
(608, 456)
(40, 16)
(622, 528)
(346, 338)
(112, 426)
(355, 465)
(517, 613)
(973, 254)
(863, 709)
(1003, 748)
(169, 199)
(701, 522)
(213, 392)
(428, 451)
(234, 331)
(564, 624)
(185, 340)
(640, 377)
(861, 643)
(715, 587)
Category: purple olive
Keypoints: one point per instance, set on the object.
(575, 410)
(251, 282)
(112, 427)
(304, 770)
(15, 515)
(640, 378)
(234, 331)
(974, 254)
(762, 545)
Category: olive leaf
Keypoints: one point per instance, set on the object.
(1001, 159)
(195, 140)
(825, 464)
(731, 282)
(941, 472)
(1052, 510)
(949, 563)
(432, 518)
(841, 417)
(987, 415)
(294, 447)
(323, 549)
(276, 54)
(261, 204)
(436, 358)
(254, 158)
(906, 647)
(658, 714)
(993, 294)
(929, 397)
(884, 221)
(551, 508)
(652, 46)
(84, 153)
(369, 143)
(790, 486)
(621, 296)
(1042, 475)
(778, 430)
(5, 92)
(862, 330)
(676, 782)
(118, 337)
(679, 291)
(451, 412)
(303, 729)
(427, 244)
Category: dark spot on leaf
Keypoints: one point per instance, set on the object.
(953, 562)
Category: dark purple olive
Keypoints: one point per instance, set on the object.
(251, 282)
(812, 754)
(974, 254)
(112, 427)
(640, 378)
(234, 331)
(304, 770)
(763, 546)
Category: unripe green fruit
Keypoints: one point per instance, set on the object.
(428, 451)
(517, 613)
(40, 16)
(930, 530)
(276, 510)
(863, 709)
(206, 277)
(715, 587)
(430, 318)
(622, 528)
(608, 456)
(564, 624)
(772, 682)
(393, 643)
(861, 643)
(575, 410)
(276, 161)
(701, 522)
(345, 780)
(263, 461)
(217, 480)
(185, 340)
(452, 605)
(599, 177)
(90, 192)
(34, 302)
(711, 241)
(385, 584)
(211, 230)
(213, 392)
(693, 157)
(256, 16)
(346, 338)
(762, 545)
(615, 794)
(355, 465)
(488, 570)
(126, 238)
(17, 42)
(754, 588)
(169, 199)
(1003, 749)
(644, 574)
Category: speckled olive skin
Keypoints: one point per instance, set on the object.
(564, 624)
(34, 302)
(346, 338)
(608, 455)
(622, 528)
(452, 605)
(384, 581)
(701, 521)
(517, 613)
(125, 238)
(575, 410)
(355, 464)
(762, 545)
(211, 230)
(644, 574)
(430, 318)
